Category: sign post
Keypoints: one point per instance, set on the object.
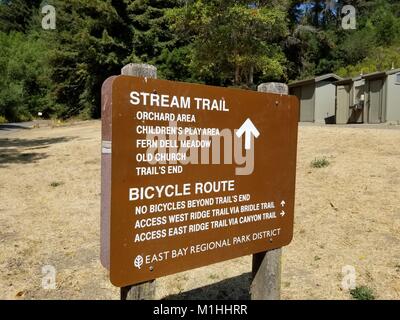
(266, 269)
(199, 175)
(145, 290)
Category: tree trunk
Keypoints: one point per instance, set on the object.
(251, 76)
(237, 75)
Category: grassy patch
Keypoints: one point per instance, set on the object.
(56, 184)
(362, 293)
(213, 276)
(3, 120)
(320, 163)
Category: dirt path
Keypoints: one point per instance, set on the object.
(346, 214)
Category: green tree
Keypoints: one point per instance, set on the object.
(151, 34)
(318, 44)
(89, 45)
(387, 26)
(232, 41)
(16, 15)
(152, 40)
(25, 88)
(379, 59)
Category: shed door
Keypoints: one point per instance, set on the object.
(307, 103)
(357, 114)
(343, 104)
(375, 101)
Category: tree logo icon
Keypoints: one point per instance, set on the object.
(138, 261)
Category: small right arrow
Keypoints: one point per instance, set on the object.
(283, 213)
(283, 203)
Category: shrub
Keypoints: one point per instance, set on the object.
(320, 163)
(362, 293)
(56, 184)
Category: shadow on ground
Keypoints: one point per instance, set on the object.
(8, 127)
(26, 143)
(236, 288)
(20, 150)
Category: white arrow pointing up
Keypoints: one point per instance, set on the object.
(248, 129)
(283, 203)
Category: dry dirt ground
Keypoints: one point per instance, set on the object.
(346, 214)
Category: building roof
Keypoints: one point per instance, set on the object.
(373, 75)
(378, 74)
(344, 81)
(393, 71)
(324, 77)
(349, 80)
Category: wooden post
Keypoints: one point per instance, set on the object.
(266, 270)
(139, 70)
(145, 290)
(142, 291)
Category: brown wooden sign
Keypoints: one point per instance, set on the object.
(199, 175)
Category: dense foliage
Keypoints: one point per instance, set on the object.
(230, 43)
